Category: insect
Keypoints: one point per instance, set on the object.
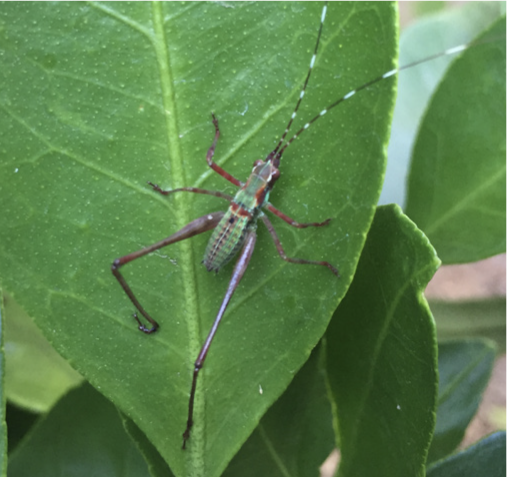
(234, 231)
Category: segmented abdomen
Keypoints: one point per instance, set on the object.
(227, 238)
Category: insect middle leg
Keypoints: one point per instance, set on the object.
(197, 226)
(292, 222)
(282, 253)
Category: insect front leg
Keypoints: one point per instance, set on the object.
(292, 222)
(281, 251)
(197, 226)
(211, 153)
(237, 274)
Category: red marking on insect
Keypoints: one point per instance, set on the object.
(236, 229)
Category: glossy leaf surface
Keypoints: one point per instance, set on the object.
(382, 354)
(457, 180)
(95, 100)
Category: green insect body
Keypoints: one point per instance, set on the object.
(242, 215)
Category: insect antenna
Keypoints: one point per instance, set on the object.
(393, 72)
(302, 93)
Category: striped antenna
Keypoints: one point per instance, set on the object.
(302, 93)
(451, 51)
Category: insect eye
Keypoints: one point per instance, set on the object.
(275, 175)
(258, 162)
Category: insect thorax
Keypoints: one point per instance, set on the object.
(229, 235)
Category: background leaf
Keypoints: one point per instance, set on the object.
(429, 35)
(464, 369)
(456, 191)
(156, 464)
(382, 355)
(36, 375)
(469, 319)
(3, 426)
(81, 436)
(96, 99)
(19, 422)
(487, 457)
(295, 436)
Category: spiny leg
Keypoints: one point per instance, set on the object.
(195, 190)
(197, 226)
(292, 222)
(282, 254)
(237, 274)
(211, 152)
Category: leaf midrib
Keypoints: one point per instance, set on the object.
(195, 452)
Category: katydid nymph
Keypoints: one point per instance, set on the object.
(234, 231)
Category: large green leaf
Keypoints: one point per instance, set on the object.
(293, 438)
(456, 191)
(382, 354)
(95, 100)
